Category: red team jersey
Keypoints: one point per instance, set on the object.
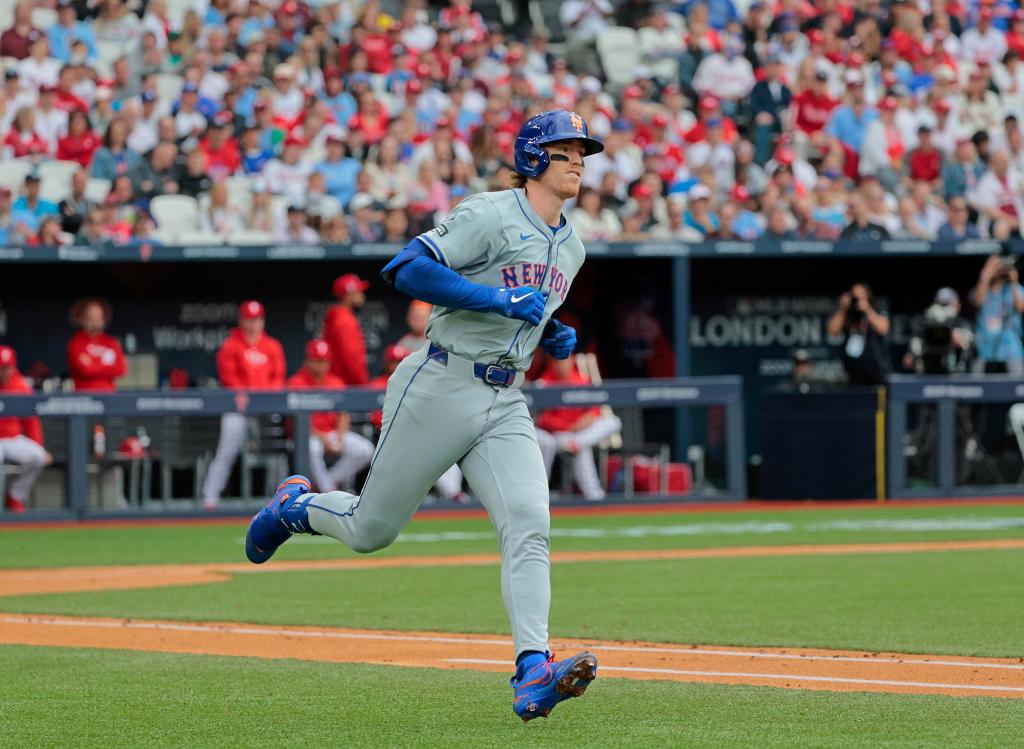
(12, 426)
(95, 361)
(322, 421)
(254, 367)
(564, 419)
(348, 350)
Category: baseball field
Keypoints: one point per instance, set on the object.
(890, 626)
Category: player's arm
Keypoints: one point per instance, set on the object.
(418, 272)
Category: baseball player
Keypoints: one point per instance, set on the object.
(342, 332)
(249, 359)
(417, 318)
(95, 359)
(330, 433)
(574, 430)
(21, 439)
(496, 270)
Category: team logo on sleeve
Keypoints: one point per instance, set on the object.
(440, 230)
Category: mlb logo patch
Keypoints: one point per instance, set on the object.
(441, 230)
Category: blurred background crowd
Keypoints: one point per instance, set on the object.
(304, 121)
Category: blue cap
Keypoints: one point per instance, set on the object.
(622, 124)
(147, 97)
(190, 88)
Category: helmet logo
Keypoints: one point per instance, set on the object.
(576, 121)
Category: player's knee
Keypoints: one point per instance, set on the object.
(375, 536)
(34, 460)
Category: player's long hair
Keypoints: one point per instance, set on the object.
(517, 180)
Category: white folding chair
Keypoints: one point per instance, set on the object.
(97, 189)
(57, 170)
(620, 54)
(175, 213)
(12, 173)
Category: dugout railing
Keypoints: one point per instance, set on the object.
(80, 411)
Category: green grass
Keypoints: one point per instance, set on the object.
(955, 602)
(80, 698)
(84, 545)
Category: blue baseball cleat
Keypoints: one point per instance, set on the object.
(541, 683)
(275, 523)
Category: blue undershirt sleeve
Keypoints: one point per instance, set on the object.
(416, 272)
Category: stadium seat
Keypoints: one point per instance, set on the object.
(177, 10)
(43, 18)
(109, 51)
(239, 191)
(619, 51)
(54, 189)
(97, 189)
(175, 213)
(57, 170)
(168, 86)
(249, 237)
(12, 173)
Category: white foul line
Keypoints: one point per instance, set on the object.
(793, 677)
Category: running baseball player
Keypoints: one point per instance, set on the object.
(329, 431)
(496, 270)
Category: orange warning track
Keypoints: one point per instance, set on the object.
(789, 667)
(15, 582)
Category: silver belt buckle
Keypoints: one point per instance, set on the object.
(487, 375)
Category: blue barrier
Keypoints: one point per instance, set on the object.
(79, 408)
(946, 393)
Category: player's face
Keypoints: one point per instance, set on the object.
(252, 326)
(318, 367)
(417, 318)
(93, 319)
(565, 171)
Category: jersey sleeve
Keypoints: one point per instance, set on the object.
(467, 235)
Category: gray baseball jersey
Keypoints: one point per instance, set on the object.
(496, 239)
(438, 413)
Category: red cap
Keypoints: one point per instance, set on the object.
(660, 119)
(671, 90)
(940, 105)
(985, 12)
(633, 92)
(709, 102)
(295, 140)
(414, 86)
(784, 156)
(889, 78)
(889, 104)
(132, 447)
(423, 70)
(318, 349)
(250, 310)
(642, 191)
(7, 357)
(816, 36)
(740, 193)
(395, 353)
(349, 284)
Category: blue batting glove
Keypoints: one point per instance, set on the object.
(521, 303)
(559, 339)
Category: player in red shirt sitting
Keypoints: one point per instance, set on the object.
(95, 359)
(574, 430)
(329, 431)
(249, 359)
(21, 438)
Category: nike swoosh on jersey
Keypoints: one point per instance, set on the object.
(524, 236)
(520, 298)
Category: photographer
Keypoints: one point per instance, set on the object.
(942, 340)
(999, 299)
(865, 329)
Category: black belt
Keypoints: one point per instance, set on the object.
(492, 374)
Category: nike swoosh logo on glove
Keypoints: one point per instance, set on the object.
(520, 298)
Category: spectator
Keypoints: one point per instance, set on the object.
(287, 99)
(574, 430)
(114, 157)
(396, 224)
(770, 100)
(249, 359)
(145, 132)
(76, 205)
(981, 109)
(959, 226)
(21, 438)
(289, 175)
(583, 21)
(296, 230)
(926, 216)
(984, 39)
(80, 143)
(864, 330)
(884, 149)
(261, 215)
(189, 121)
(30, 209)
(999, 300)
(254, 155)
(22, 142)
(997, 198)
(334, 230)
(194, 180)
(339, 169)
(861, 228)
(95, 359)
(50, 234)
(780, 225)
(91, 231)
(67, 30)
(592, 220)
(330, 432)
(221, 156)
(849, 121)
(961, 174)
(158, 173)
(925, 161)
(417, 316)
(116, 23)
(38, 69)
(216, 212)
(699, 214)
(12, 231)
(726, 75)
(51, 123)
(15, 41)
(102, 114)
(343, 333)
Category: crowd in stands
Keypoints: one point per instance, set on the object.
(304, 121)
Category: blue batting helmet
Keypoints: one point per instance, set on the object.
(549, 127)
